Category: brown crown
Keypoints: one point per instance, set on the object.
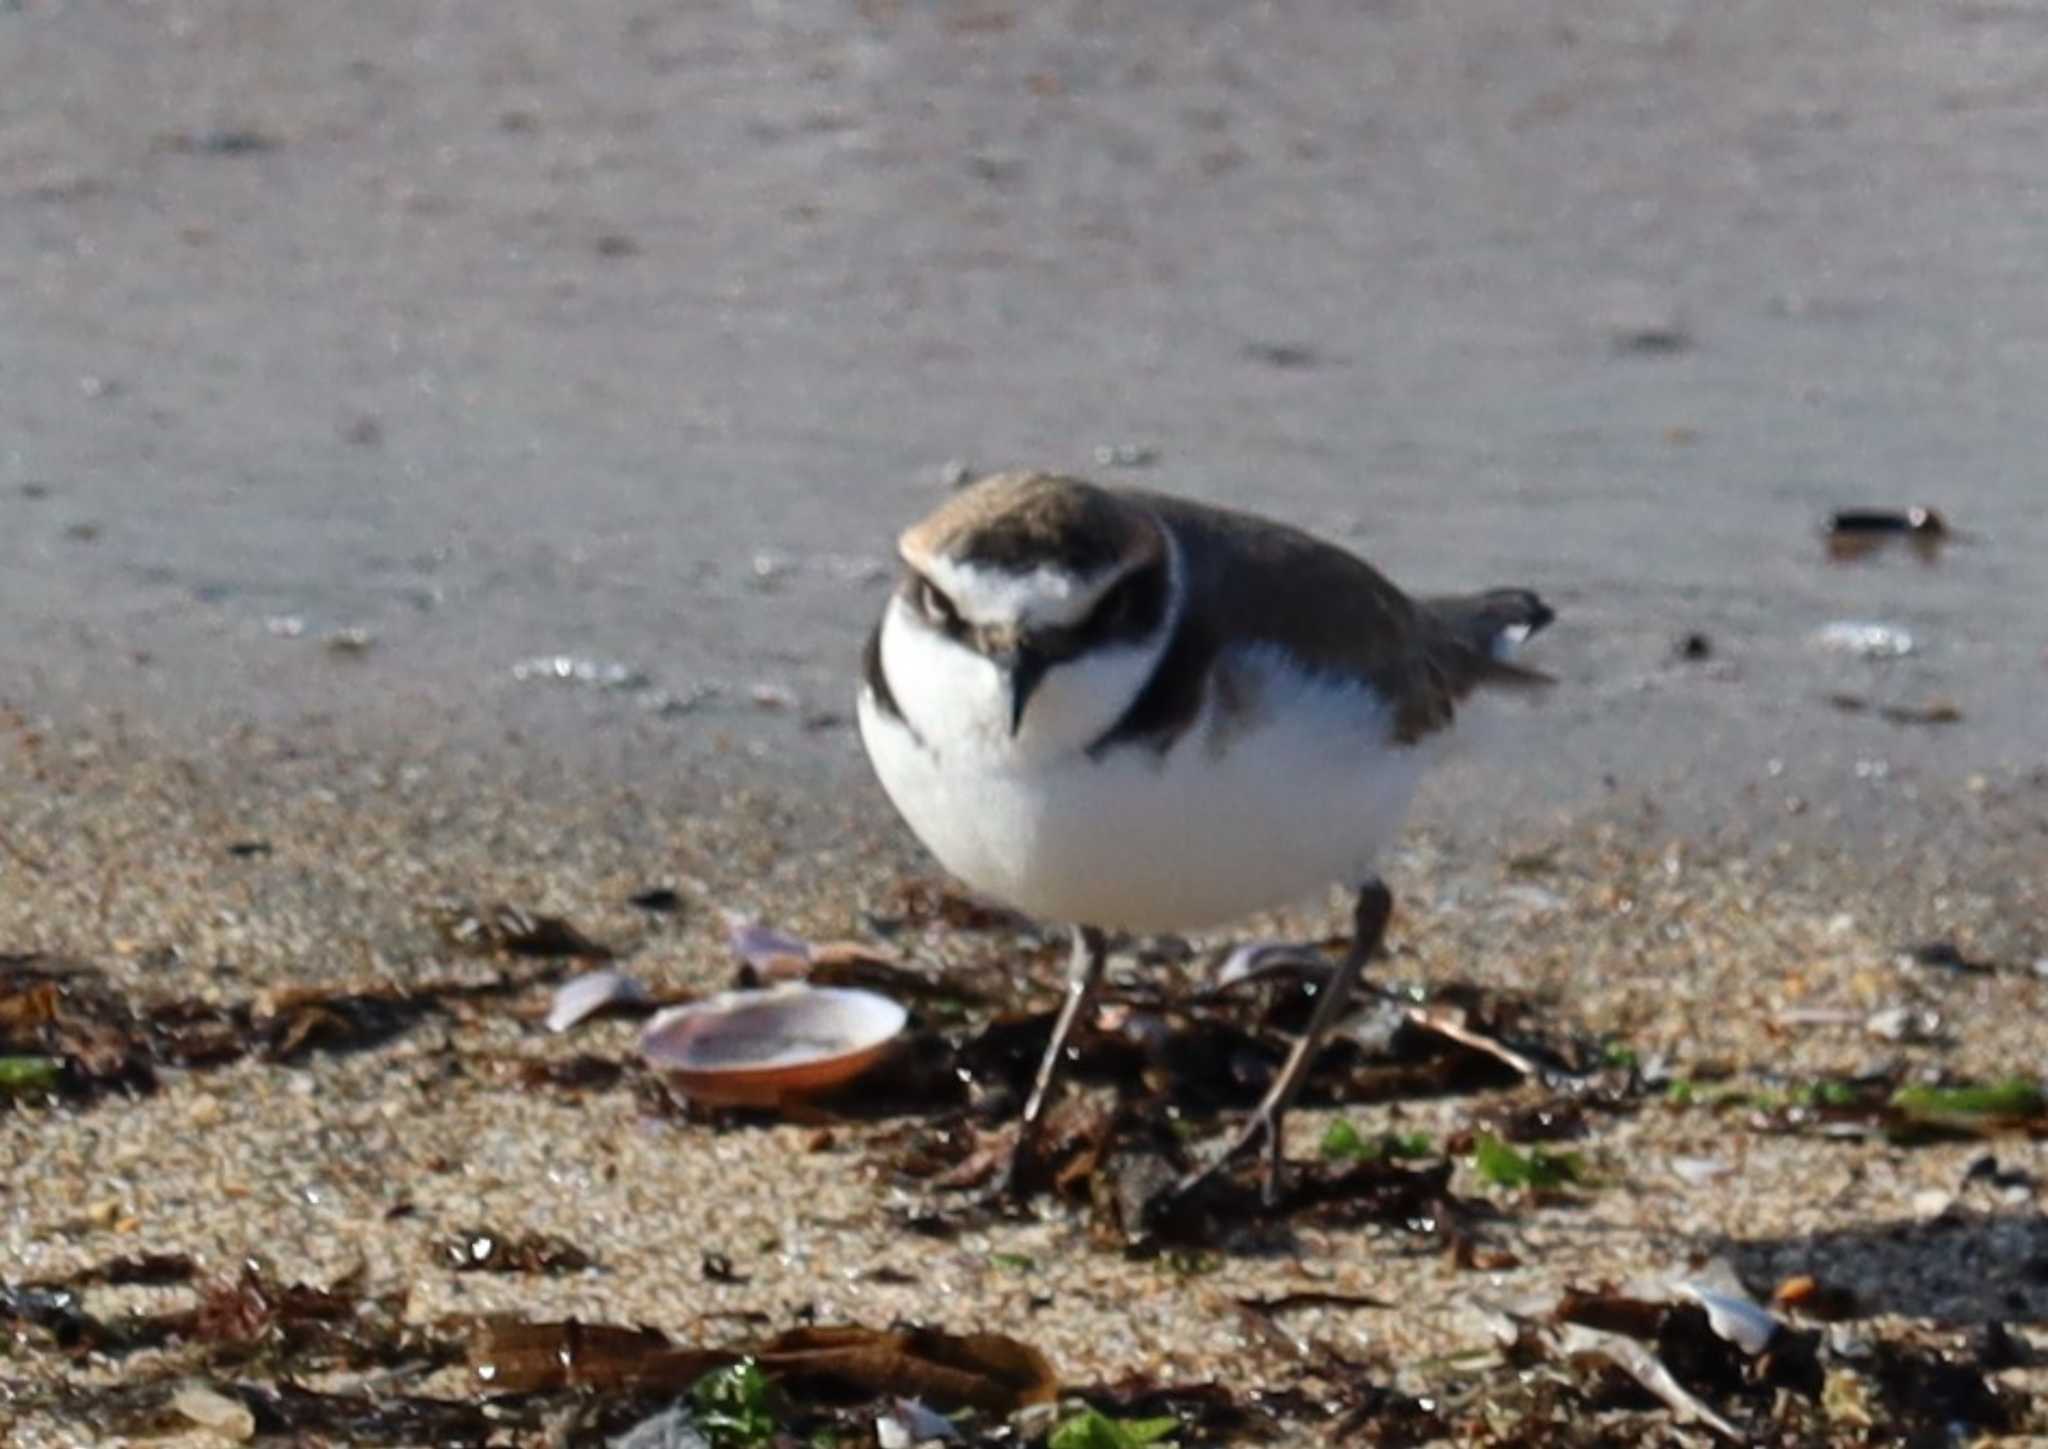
(1020, 521)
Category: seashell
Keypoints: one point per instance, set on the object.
(1865, 639)
(759, 1048)
(1259, 960)
(775, 954)
(1699, 1171)
(910, 1422)
(592, 991)
(1733, 1316)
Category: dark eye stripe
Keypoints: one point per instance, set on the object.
(1126, 614)
(931, 601)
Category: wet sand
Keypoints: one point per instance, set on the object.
(636, 338)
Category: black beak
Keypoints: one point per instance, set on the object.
(1026, 667)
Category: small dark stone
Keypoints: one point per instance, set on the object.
(1996, 1348)
(1947, 956)
(930, 1225)
(717, 1268)
(229, 141)
(658, 898)
(998, 171)
(1655, 340)
(1988, 1169)
(248, 849)
(1288, 356)
(1694, 647)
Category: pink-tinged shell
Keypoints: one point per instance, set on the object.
(764, 948)
(760, 1048)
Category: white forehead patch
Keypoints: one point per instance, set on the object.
(1046, 596)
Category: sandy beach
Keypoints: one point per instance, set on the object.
(449, 458)
(268, 868)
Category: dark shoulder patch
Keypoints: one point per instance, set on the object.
(1166, 708)
(877, 678)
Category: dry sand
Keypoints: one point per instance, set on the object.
(1690, 953)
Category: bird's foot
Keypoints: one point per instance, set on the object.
(1261, 1132)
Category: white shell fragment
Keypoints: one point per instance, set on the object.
(909, 1423)
(759, 1048)
(1904, 1023)
(1734, 1317)
(1865, 640)
(1257, 960)
(591, 992)
(1642, 1363)
(673, 1428)
(223, 1417)
(573, 669)
(1699, 1171)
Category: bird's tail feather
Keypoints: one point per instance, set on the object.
(1491, 626)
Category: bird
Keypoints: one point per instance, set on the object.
(1123, 710)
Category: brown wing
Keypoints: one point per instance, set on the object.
(1335, 612)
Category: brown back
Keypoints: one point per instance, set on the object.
(1330, 609)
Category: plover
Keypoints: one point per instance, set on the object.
(1117, 709)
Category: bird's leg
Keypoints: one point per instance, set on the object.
(1084, 972)
(1368, 926)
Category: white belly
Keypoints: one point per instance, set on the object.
(1240, 815)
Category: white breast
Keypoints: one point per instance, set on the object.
(1283, 785)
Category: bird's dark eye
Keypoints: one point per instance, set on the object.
(935, 606)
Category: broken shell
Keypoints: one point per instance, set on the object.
(775, 954)
(1734, 1317)
(758, 1048)
(1261, 960)
(591, 992)
(1904, 1023)
(1699, 1171)
(1865, 640)
(915, 1424)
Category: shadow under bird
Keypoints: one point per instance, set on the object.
(1118, 709)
